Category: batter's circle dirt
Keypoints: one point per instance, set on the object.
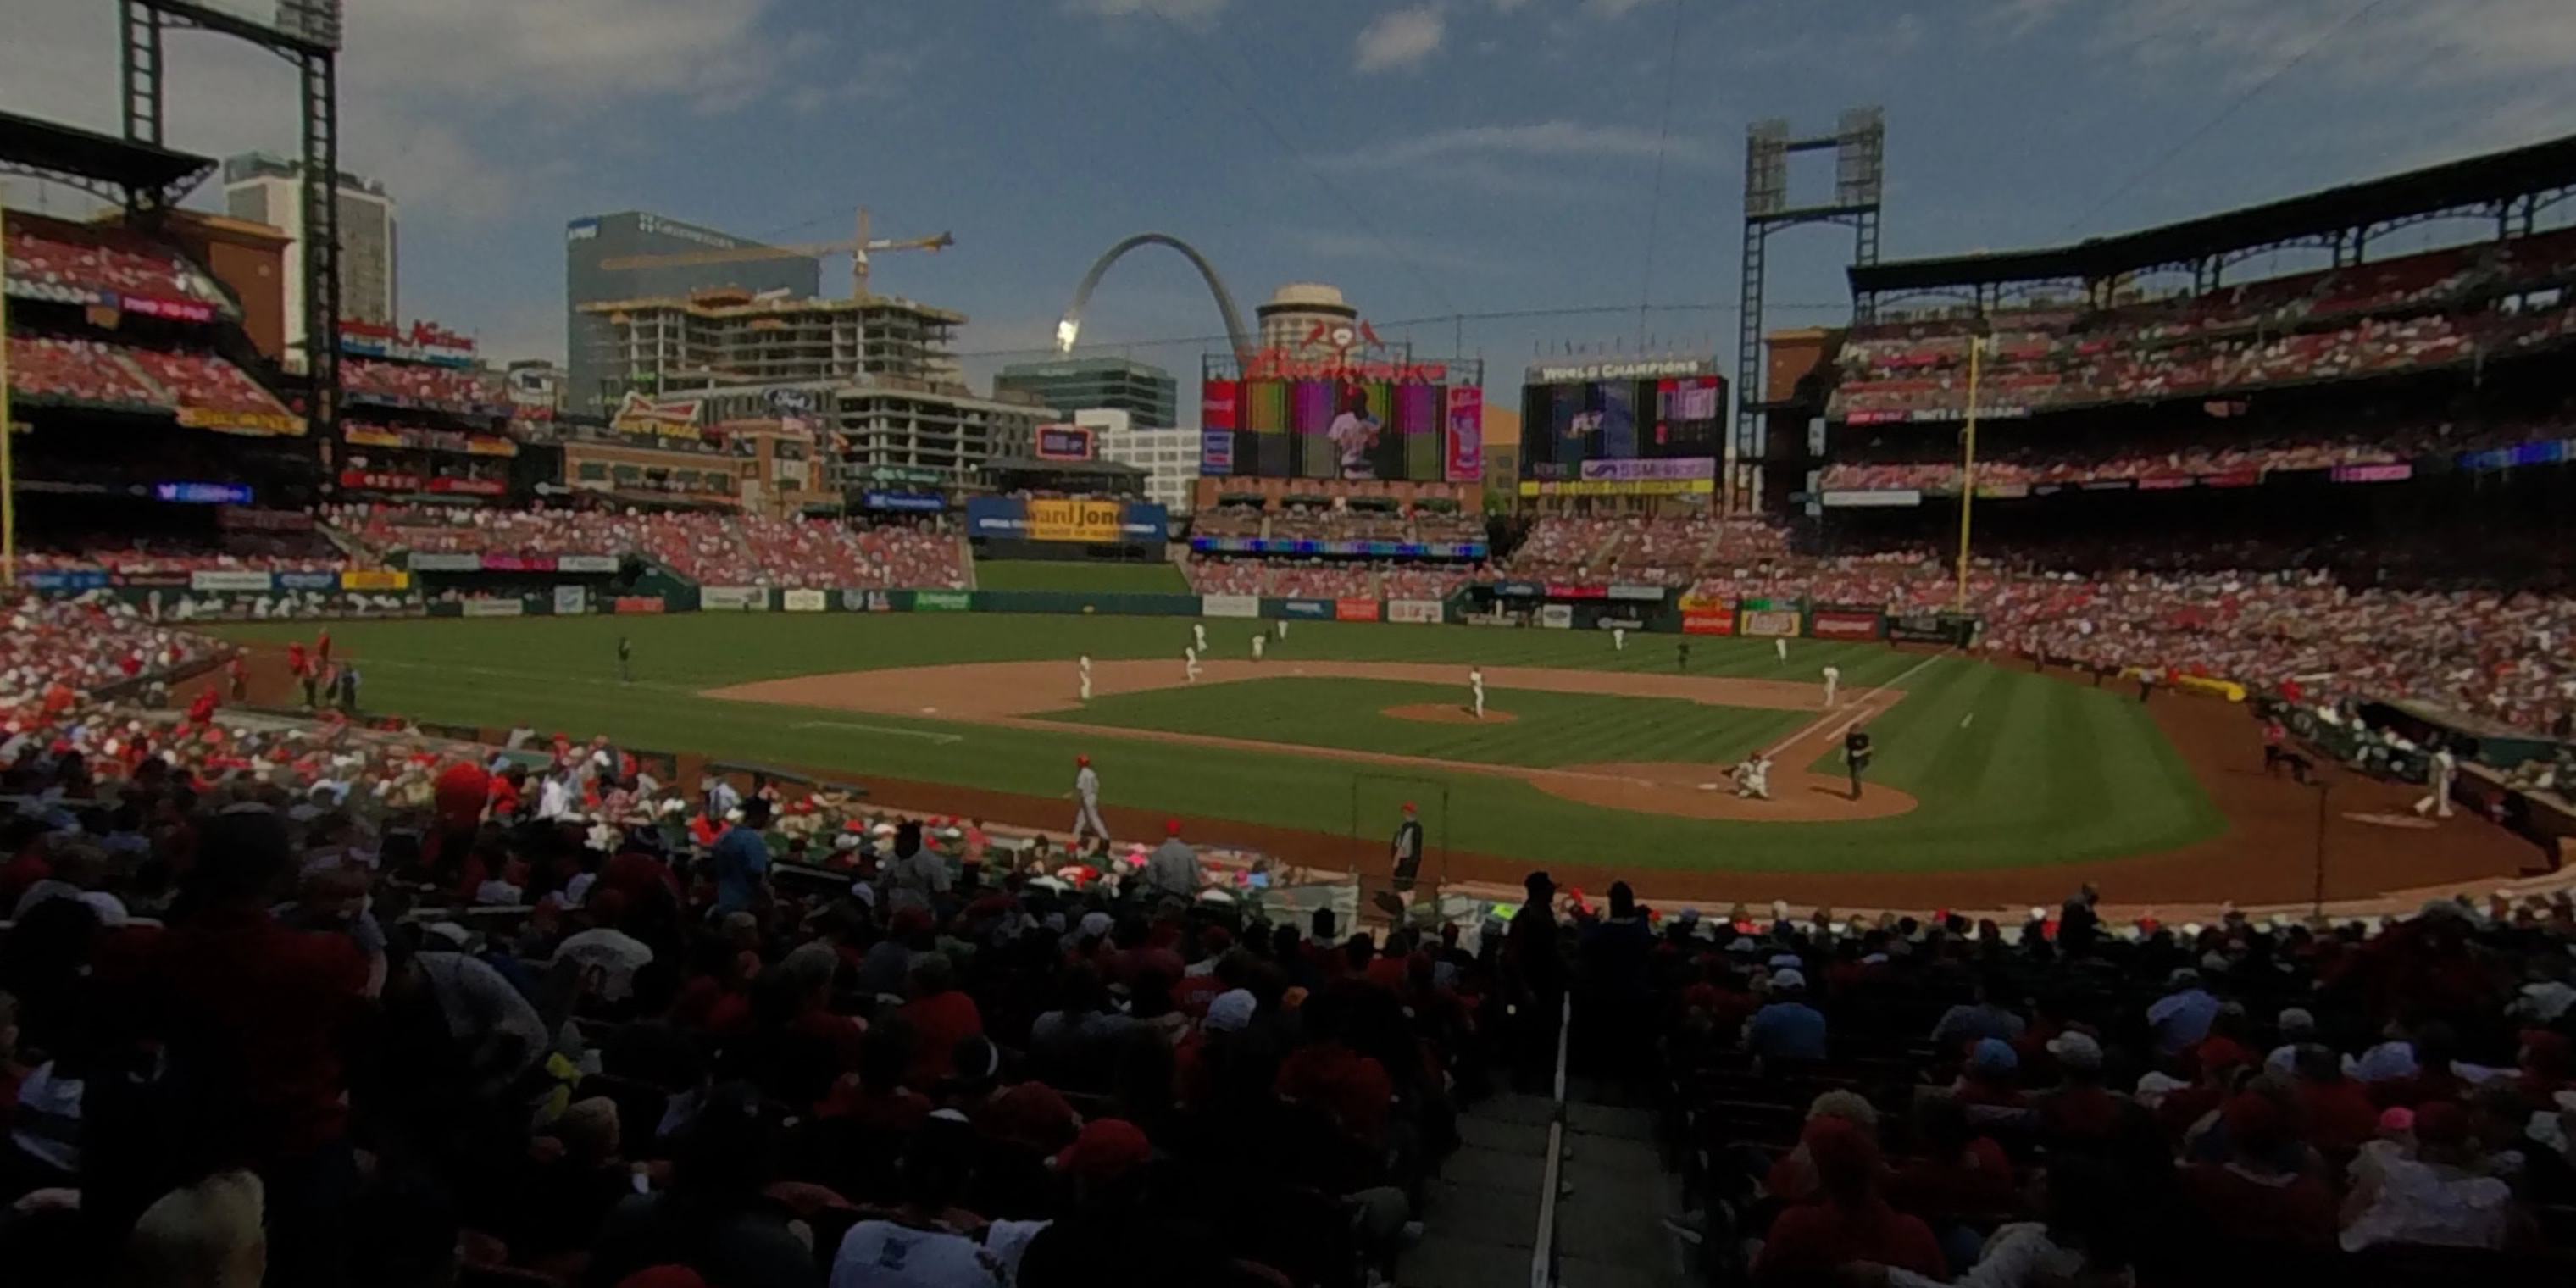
(1443, 713)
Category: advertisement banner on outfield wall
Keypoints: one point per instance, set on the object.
(1354, 610)
(1229, 606)
(375, 579)
(804, 601)
(942, 601)
(1768, 623)
(739, 599)
(1709, 623)
(511, 607)
(1844, 624)
(1519, 589)
(66, 579)
(308, 581)
(571, 601)
(518, 563)
(586, 563)
(1706, 604)
(436, 561)
(1306, 608)
(227, 579)
(1556, 617)
(1644, 594)
(1414, 612)
(866, 601)
(625, 604)
(1927, 628)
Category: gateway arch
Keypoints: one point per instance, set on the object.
(1070, 329)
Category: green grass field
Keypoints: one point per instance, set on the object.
(2010, 769)
(1080, 578)
(1549, 729)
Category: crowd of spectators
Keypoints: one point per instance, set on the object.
(1330, 579)
(121, 375)
(2365, 320)
(1333, 523)
(48, 252)
(709, 548)
(59, 651)
(423, 383)
(205, 380)
(125, 554)
(1925, 1100)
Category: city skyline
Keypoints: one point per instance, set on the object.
(1437, 159)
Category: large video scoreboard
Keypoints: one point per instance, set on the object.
(1648, 425)
(1381, 418)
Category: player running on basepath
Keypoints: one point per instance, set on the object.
(1086, 794)
(1476, 682)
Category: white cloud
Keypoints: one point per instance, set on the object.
(1615, 8)
(1192, 11)
(1535, 141)
(1400, 39)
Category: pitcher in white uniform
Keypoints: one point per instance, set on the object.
(1618, 639)
(1086, 677)
(1476, 683)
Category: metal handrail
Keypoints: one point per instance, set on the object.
(1543, 1243)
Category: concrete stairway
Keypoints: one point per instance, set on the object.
(1480, 1218)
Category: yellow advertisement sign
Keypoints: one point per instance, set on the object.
(1617, 487)
(240, 422)
(368, 436)
(375, 579)
(1093, 522)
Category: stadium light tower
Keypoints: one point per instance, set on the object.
(305, 33)
(1859, 145)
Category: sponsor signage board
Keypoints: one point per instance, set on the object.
(585, 563)
(518, 563)
(1354, 610)
(910, 502)
(1706, 622)
(1617, 487)
(1065, 443)
(375, 579)
(2390, 472)
(1640, 594)
(1892, 498)
(1843, 624)
(228, 579)
(1320, 608)
(190, 493)
(1648, 369)
(1519, 589)
(1931, 628)
(65, 579)
(1556, 617)
(445, 561)
(493, 607)
(571, 601)
(1418, 612)
(1768, 623)
(1577, 590)
(1705, 603)
(625, 604)
(1229, 606)
(945, 601)
(308, 581)
(803, 601)
(1675, 468)
(739, 599)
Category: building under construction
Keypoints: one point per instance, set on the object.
(877, 374)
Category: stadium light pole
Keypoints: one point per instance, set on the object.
(1968, 453)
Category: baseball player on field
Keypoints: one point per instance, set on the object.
(1618, 639)
(2438, 773)
(1280, 628)
(1086, 677)
(1086, 794)
(1833, 681)
(1753, 778)
(1258, 640)
(1476, 683)
(1780, 648)
(1198, 635)
(1190, 664)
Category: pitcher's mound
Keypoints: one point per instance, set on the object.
(1443, 713)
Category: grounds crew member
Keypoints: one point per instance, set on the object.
(1086, 791)
(1407, 854)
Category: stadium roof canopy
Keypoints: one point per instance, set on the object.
(100, 163)
(2452, 187)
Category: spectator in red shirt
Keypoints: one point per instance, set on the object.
(2335, 1112)
(940, 1017)
(1852, 1223)
(1353, 1088)
(2269, 1190)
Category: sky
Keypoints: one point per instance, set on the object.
(1437, 159)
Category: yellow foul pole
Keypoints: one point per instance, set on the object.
(1968, 464)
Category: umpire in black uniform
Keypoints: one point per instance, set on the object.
(1856, 756)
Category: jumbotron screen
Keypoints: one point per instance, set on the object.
(1395, 421)
(1620, 411)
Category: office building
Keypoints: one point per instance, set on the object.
(269, 190)
(1146, 392)
(596, 377)
(1169, 457)
(877, 380)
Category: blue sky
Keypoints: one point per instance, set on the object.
(1432, 157)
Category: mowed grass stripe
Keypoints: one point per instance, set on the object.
(559, 673)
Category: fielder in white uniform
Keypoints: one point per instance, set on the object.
(1086, 795)
(1190, 664)
(1086, 677)
(1833, 681)
(1258, 640)
(1618, 639)
(1281, 629)
(1753, 778)
(2437, 779)
(1780, 646)
(1198, 635)
(1476, 683)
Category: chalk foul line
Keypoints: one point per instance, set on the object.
(941, 738)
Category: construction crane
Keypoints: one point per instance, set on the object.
(857, 248)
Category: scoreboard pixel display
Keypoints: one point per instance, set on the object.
(1394, 421)
(1620, 411)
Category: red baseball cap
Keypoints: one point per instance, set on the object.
(1408, 807)
(1107, 1149)
(1082, 760)
(1171, 827)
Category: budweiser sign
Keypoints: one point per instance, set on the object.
(1347, 352)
